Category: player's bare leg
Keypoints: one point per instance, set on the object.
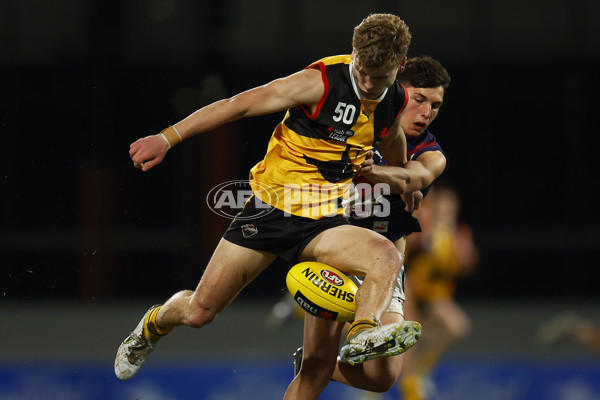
(229, 270)
(379, 375)
(358, 251)
(320, 344)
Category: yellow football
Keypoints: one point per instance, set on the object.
(322, 291)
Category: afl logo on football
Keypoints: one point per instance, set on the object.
(332, 277)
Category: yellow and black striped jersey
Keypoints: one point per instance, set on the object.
(312, 157)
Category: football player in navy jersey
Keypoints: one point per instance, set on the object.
(426, 81)
(336, 110)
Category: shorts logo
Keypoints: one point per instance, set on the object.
(249, 230)
(380, 226)
(332, 277)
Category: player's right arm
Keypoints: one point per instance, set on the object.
(302, 88)
(414, 175)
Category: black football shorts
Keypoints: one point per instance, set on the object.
(262, 227)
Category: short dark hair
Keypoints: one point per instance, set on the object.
(424, 72)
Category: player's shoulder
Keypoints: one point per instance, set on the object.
(337, 63)
(427, 138)
(333, 60)
(424, 143)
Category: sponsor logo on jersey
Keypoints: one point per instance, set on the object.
(339, 135)
(249, 230)
(327, 287)
(314, 309)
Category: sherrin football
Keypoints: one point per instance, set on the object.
(322, 291)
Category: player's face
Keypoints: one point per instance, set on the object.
(422, 108)
(372, 83)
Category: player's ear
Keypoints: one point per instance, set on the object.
(402, 65)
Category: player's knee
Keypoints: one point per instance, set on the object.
(383, 383)
(316, 369)
(200, 315)
(320, 360)
(389, 257)
(380, 385)
(386, 376)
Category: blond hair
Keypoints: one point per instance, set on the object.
(381, 41)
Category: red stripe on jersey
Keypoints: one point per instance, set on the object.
(322, 67)
(383, 132)
(405, 101)
(420, 147)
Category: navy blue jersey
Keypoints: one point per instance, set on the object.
(399, 222)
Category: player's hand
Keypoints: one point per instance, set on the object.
(148, 152)
(412, 200)
(367, 165)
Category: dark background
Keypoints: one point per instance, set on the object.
(81, 80)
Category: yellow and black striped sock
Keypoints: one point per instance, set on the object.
(360, 325)
(152, 331)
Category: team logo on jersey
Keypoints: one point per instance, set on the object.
(249, 230)
(339, 135)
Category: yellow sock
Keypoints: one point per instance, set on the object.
(411, 388)
(360, 325)
(152, 331)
